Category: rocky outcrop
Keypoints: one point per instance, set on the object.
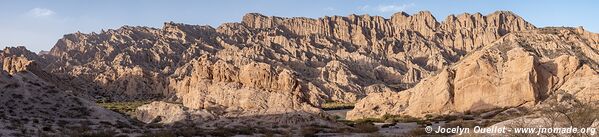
(19, 59)
(519, 70)
(265, 66)
(274, 66)
(465, 32)
(332, 58)
(177, 114)
(18, 51)
(168, 113)
(252, 89)
(272, 72)
(16, 64)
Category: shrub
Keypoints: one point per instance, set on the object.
(243, 130)
(190, 131)
(12, 86)
(447, 118)
(366, 128)
(399, 118)
(417, 132)
(105, 133)
(52, 91)
(121, 124)
(154, 125)
(462, 123)
(368, 120)
(579, 114)
(17, 96)
(337, 106)
(309, 131)
(123, 107)
(161, 133)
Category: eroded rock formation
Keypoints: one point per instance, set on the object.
(279, 70)
(330, 58)
(520, 69)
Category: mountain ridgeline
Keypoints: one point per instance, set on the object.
(330, 58)
(286, 68)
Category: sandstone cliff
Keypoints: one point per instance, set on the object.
(333, 58)
(269, 65)
(520, 69)
(273, 71)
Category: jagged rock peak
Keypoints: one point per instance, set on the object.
(504, 12)
(410, 47)
(172, 24)
(258, 20)
(19, 50)
(425, 14)
(345, 27)
(400, 14)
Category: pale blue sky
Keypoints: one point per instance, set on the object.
(39, 24)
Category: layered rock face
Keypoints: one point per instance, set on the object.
(126, 62)
(272, 71)
(520, 69)
(255, 87)
(464, 32)
(268, 65)
(331, 58)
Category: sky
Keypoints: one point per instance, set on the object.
(38, 24)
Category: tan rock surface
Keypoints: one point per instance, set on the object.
(280, 70)
(168, 113)
(359, 50)
(15, 64)
(521, 69)
(270, 65)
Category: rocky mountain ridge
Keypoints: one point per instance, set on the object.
(279, 71)
(271, 65)
(395, 52)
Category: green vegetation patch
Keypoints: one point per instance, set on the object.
(337, 106)
(123, 107)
